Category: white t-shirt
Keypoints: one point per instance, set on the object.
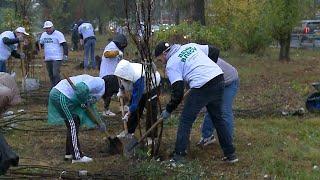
(52, 45)
(96, 85)
(191, 65)
(108, 65)
(5, 50)
(86, 29)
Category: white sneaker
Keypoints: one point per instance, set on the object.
(108, 113)
(84, 159)
(206, 141)
(122, 134)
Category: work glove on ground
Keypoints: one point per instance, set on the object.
(165, 115)
(102, 127)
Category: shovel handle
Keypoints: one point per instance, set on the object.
(150, 129)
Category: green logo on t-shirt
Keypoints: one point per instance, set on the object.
(186, 53)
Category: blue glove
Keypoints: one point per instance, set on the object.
(102, 127)
(165, 115)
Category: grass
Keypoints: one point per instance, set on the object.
(269, 145)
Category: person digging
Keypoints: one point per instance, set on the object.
(72, 101)
(133, 79)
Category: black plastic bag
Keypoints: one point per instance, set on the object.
(7, 156)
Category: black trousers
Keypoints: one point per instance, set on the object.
(72, 142)
(111, 87)
(145, 101)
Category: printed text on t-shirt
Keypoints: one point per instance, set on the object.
(186, 53)
(47, 40)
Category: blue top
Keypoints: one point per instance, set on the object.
(137, 92)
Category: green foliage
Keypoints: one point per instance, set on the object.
(184, 33)
(9, 22)
(243, 20)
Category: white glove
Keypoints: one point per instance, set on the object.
(120, 93)
(126, 117)
(120, 55)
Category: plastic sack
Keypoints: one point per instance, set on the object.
(31, 84)
(313, 102)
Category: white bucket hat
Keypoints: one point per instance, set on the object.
(22, 30)
(47, 24)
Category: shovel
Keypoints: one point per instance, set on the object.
(133, 142)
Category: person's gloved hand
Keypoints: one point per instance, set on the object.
(65, 58)
(120, 93)
(120, 55)
(102, 127)
(165, 115)
(91, 101)
(22, 55)
(126, 117)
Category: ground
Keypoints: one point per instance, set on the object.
(269, 145)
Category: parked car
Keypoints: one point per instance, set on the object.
(310, 26)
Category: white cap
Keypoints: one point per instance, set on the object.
(22, 30)
(47, 24)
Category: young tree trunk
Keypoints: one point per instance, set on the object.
(198, 11)
(177, 16)
(285, 47)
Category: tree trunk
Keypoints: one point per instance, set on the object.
(198, 11)
(285, 47)
(177, 16)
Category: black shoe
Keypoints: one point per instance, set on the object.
(232, 158)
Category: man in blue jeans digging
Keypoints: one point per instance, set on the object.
(188, 63)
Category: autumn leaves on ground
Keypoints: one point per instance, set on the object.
(269, 144)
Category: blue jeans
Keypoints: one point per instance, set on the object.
(89, 46)
(230, 91)
(3, 66)
(209, 95)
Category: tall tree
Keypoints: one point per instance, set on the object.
(282, 16)
(198, 12)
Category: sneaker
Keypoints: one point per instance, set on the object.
(67, 157)
(84, 159)
(177, 159)
(108, 113)
(206, 141)
(230, 159)
(122, 134)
